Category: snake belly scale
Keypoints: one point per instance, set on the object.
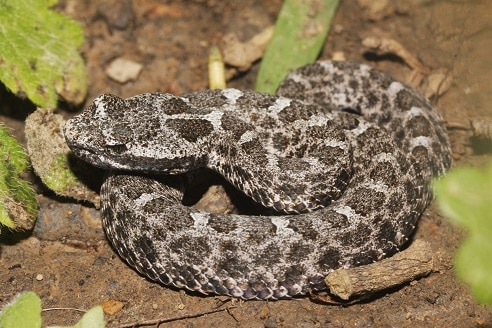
(343, 151)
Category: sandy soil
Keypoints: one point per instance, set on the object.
(67, 260)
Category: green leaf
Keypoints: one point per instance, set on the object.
(18, 205)
(23, 312)
(38, 52)
(465, 196)
(300, 31)
(94, 318)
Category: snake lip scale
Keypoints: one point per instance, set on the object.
(345, 152)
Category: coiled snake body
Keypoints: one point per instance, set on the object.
(345, 152)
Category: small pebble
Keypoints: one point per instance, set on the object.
(123, 70)
(270, 323)
(39, 277)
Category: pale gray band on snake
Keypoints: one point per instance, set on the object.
(344, 151)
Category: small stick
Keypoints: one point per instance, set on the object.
(387, 45)
(216, 71)
(416, 261)
(157, 322)
(63, 309)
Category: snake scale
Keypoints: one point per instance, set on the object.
(343, 151)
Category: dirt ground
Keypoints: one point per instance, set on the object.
(68, 262)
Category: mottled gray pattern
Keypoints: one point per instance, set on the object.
(344, 151)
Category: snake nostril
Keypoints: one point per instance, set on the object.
(351, 110)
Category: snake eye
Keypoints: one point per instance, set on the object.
(116, 149)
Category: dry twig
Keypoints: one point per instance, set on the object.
(387, 45)
(157, 322)
(357, 283)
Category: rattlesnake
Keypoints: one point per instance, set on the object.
(343, 150)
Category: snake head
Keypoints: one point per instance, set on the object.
(142, 133)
